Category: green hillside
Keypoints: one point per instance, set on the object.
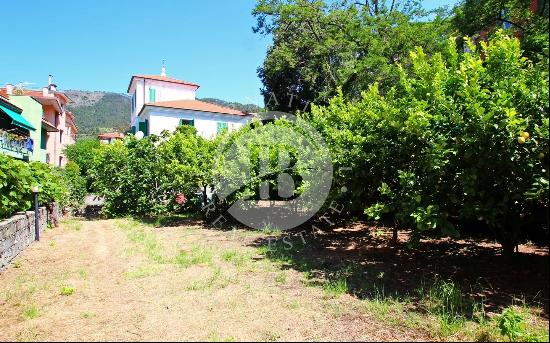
(96, 112)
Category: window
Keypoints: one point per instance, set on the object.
(190, 122)
(152, 94)
(60, 161)
(60, 136)
(222, 126)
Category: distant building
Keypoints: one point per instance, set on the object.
(15, 131)
(162, 103)
(110, 138)
(54, 126)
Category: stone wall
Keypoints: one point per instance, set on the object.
(17, 233)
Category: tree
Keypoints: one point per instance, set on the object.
(82, 153)
(460, 139)
(319, 46)
(528, 21)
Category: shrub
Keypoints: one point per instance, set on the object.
(75, 183)
(461, 138)
(17, 179)
(153, 175)
(82, 153)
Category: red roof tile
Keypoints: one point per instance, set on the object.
(196, 105)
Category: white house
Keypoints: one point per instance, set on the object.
(163, 103)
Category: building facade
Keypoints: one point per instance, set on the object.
(55, 126)
(161, 103)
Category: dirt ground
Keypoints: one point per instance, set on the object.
(122, 290)
(123, 280)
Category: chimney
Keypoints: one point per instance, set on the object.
(51, 87)
(163, 69)
(9, 89)
(45, 91)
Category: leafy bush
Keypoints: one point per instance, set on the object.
(82, 153)
(147, 177)
(75, 183)
(17, 179)
(511, 324)
(462, 138)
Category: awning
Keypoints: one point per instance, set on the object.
(17, 119)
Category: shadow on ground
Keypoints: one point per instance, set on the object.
(373, 267)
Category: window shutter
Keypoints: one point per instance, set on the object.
(142, 127)
(221, 127)
(152, 94)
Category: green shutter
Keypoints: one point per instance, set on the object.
(152, 95)
(133, 130)
(143, 127)
(222, 126)
(146, 132)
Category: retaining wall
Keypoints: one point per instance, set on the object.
(17, 233)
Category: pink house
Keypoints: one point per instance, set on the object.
(60, 128)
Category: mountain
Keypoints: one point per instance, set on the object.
(96, 112)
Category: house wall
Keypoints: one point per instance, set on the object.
(206, 123)
(32, 111)
(165, 91)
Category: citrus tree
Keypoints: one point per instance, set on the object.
(462, 138)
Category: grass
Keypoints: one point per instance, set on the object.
(215, 281)
(439, 307)
(72, 224)
(66, 291)
(199, 255)
(31, 312)
(281, 278)
(142, 272)
(237, 258)
(145, 240)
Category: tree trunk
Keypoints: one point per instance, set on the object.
(394, 236)
(204, 196)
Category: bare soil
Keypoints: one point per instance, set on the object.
(186, 282)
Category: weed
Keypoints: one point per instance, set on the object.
(31, 312)
(83, 273)
(142, 272)
(281, 278)
(66, 291)
(17, 264)
(87, 315)
(511, 324)
(236, 258)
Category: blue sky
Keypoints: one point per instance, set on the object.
(98, 45)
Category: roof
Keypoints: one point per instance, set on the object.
(38, 93)
(195, 105)
(161, 78)
(110, 135)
